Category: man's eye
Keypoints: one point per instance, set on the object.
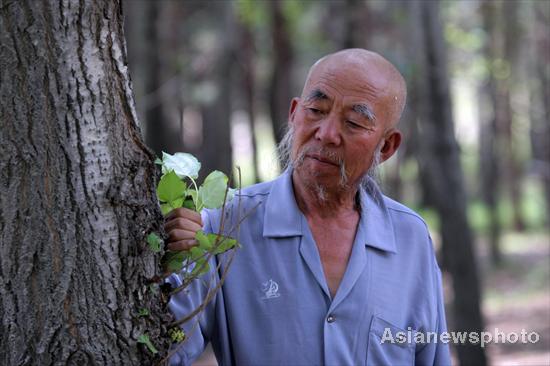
(359, 126)
(314, 110)
(354, 124)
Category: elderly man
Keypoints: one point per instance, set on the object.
(330, 271)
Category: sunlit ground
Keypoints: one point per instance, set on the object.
(517, 296)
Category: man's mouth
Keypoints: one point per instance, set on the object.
(322, 159)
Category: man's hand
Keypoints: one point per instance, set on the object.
(181, 225)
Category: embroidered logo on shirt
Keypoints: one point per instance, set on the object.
(270, 289)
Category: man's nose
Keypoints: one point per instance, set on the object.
(328, 131)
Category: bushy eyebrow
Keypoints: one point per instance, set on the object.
(316, 94)
(365, 111)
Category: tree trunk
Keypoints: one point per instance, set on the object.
(439, 162)
(511, 33)
(489, 138)
(216, 151)
(163, 129)
(248, 81)
(356, 23)
(77, 191)
(539, 105)
(280, 91)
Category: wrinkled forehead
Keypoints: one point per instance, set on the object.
(360, 76)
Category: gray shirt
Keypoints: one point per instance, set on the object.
(275, 306)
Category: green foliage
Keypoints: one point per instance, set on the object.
(204, 242)
(154, 242)
(144, 339)
(225, 244)
(173, 261)
(173, 192)
(293, 11)
(212, 191)
(171, 189)
(143, 312)
(216, 243)
(252, 13)
(176, 335)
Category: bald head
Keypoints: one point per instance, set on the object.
(380, 75)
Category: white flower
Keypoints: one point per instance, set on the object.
(183, 164)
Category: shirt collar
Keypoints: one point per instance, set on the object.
(376, 222)
(283, 218)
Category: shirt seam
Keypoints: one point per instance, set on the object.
(413, 214)
(252, 194)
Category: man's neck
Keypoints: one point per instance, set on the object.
(329, 203)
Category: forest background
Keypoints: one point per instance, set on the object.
(215, 78)
(79, 283)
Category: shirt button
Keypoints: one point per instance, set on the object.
(331, 318)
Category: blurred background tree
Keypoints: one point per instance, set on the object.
(215, 78)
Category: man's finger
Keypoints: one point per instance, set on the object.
(182, 223)
(178, 234)
(182, 245)
(185, 213)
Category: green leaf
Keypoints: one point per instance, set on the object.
(188, 203)
(224, 244)
(201, 267)
(200, 257)
(204, 241)
(154, 242)
(143, 312)
(212, 190)
(144, 339)
(195, 197)
(173, 261)
(170, 188)
(165, 208)
(178, 202)
(196, 253)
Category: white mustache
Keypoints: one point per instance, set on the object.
(322, 152)
(327, 155)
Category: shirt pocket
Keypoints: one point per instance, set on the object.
(389, 345)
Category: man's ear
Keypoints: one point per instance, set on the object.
(292, 111)
(392, 141)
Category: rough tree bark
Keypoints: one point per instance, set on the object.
(77, 190)
(439, 162)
